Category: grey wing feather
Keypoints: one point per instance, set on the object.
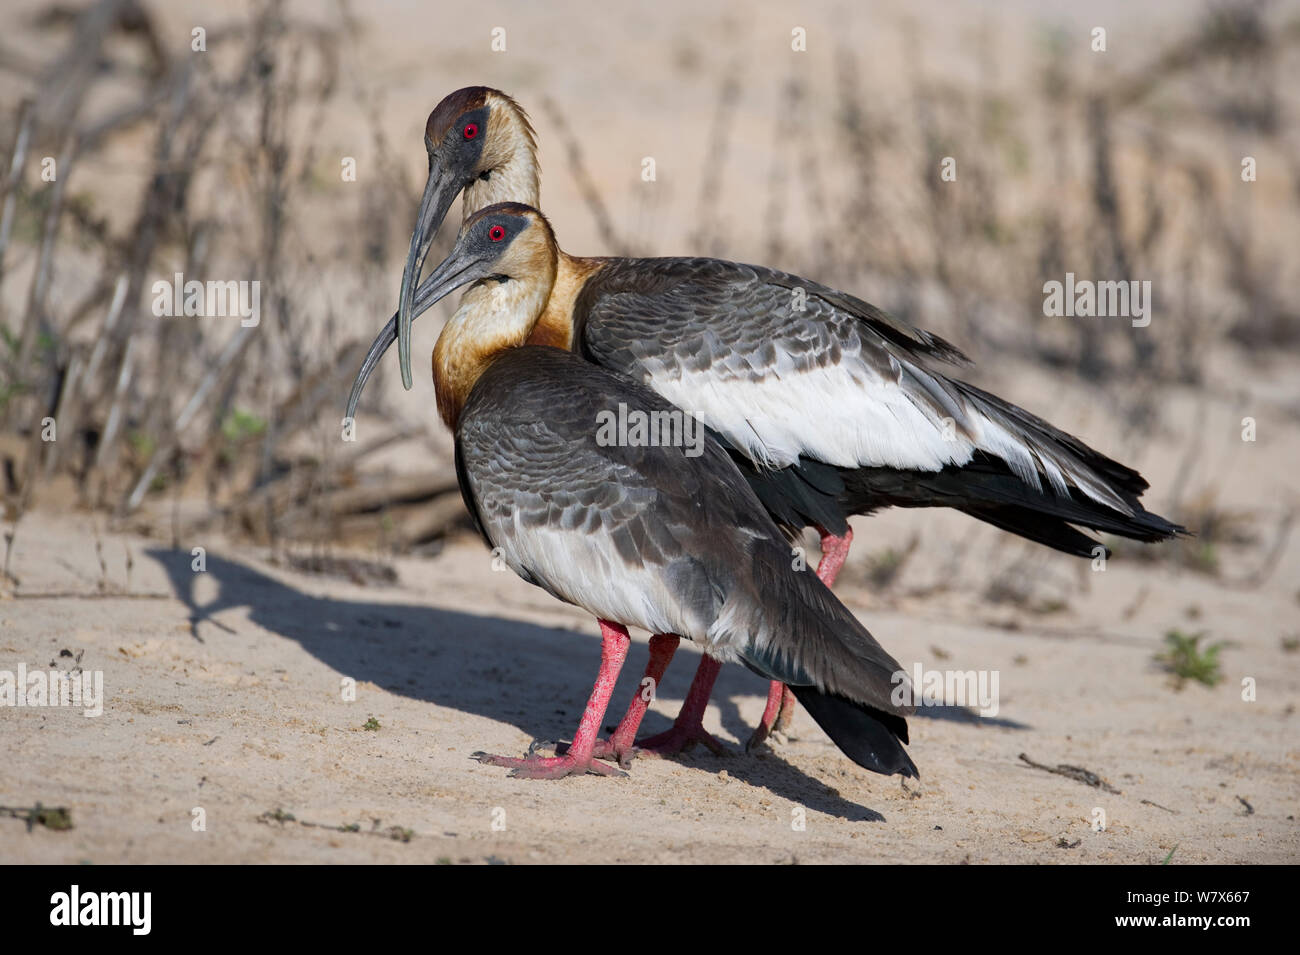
(648, 536)
(822, 375)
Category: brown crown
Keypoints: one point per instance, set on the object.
(453, 106)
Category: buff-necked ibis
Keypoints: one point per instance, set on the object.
(831, 406)
(651, 536)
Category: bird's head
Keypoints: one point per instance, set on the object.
(479, 141)
(509, 251)
(508, 242)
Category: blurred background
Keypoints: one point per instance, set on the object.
(228, 163)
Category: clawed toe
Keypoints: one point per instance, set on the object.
(678, 739)
(620, 753)
(547, 767)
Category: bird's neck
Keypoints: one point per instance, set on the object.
(555, 327)
(514, 177)
(493, 317)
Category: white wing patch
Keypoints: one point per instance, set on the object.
(844, 415)
(849, 416)
(587, 570)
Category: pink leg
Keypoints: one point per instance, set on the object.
(620, 746)
(579, 759)
(835, 551)
(688, 728)
(780, 699)
(786, 713)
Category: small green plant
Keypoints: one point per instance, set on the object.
(1187, 660)
(240, 425)
(143, 444)
(371, 724)
(1203, 557)
(51, 817)
(884, 568)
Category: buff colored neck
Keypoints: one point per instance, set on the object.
(555, 327)
(494, 316)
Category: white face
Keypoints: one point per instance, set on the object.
(507, 170)
(511, 259)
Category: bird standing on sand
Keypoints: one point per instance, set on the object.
(639, 535)
(828, 404)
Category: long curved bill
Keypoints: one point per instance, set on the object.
(439, 192)
(455, 271)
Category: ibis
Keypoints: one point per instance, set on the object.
(639, 534)
(830, 406)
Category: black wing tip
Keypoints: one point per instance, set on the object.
(1059, 532)
(1161, 528)
(986, 488)
(1145, 526)
(870, 737)
(946, 351)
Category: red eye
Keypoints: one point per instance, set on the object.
(496, 233)
(470, 130)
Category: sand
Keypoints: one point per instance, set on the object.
(224, 693)
(225, 710)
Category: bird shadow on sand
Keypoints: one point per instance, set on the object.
(533, 677)
(952, 713)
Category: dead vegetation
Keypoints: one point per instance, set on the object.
(1104, 178)
(124, 411)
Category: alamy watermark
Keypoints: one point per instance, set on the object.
(971, 688)
(130, 909)
(83, 688)
(1084, 298)
(195, 299)
(634, 428)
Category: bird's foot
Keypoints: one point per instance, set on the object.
(616, 751)
(612, 749)
(548, 767)
(679, 738)
(764, 734)
(775, 722)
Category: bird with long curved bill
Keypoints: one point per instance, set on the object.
(829, 406)
(670, 538)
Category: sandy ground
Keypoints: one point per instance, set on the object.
(223, 693)
(224, 689)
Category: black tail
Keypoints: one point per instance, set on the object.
(871, 738)
(786, 625)
(986, 488)
(814, 494)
